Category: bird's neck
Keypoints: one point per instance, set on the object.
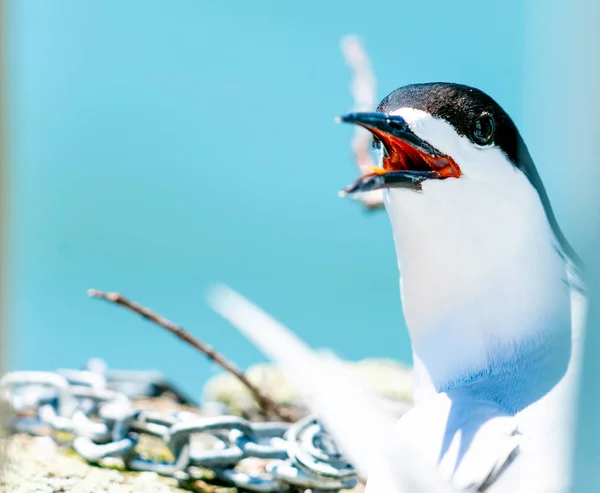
(483, 289)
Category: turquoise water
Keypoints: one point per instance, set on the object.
(157, 148)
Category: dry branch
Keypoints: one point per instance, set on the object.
(267, 405)
(363, 91)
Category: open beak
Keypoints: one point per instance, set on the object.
(408, 160)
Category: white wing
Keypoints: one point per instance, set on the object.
(363, 431)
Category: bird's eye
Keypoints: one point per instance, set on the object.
(483, 130)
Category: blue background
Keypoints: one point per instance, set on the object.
(158, 147)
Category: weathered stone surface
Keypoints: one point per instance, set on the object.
(38, 464)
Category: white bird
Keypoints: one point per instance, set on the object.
(492, 294)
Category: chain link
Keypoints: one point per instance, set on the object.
(95, 406)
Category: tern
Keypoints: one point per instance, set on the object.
(492, 293)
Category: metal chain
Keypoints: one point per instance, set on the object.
(96, 407)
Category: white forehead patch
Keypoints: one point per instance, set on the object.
(411, 115)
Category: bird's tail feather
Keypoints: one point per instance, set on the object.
(353, 415)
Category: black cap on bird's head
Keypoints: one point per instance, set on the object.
(408, 159)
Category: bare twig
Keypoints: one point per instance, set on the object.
(267, 405)
(363, 91)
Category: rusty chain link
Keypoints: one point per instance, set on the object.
(95, 406)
